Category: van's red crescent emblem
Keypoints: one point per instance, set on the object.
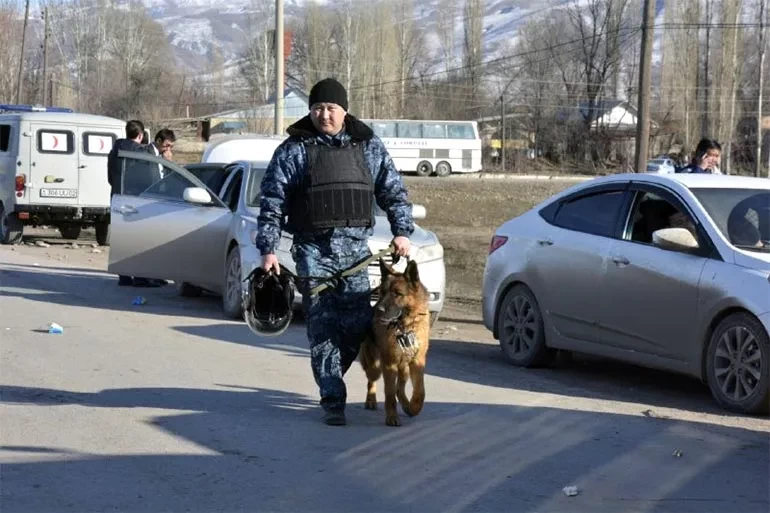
(55, 141)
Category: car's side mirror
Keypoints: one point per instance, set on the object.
(675, 239)
(196, 195)
(419, 211)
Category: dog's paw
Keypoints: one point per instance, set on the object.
(392, 420)
(407, 410)
(370, 404)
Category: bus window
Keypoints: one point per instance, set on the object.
(410, 130)
(434, 130)
(460, 131)
(384, 129)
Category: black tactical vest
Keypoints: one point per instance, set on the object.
(337, 190)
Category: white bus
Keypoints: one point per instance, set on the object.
(436, 148)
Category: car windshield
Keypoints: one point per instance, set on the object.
(254, 190)
(742, 215)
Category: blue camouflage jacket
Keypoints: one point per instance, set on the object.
(289, 165)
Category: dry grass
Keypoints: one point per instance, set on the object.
(465, 213)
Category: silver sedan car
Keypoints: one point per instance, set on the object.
(665, 271)
(197, 227)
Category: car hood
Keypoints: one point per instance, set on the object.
(381, 235)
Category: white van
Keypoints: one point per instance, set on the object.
(53, 170)
(248, 147)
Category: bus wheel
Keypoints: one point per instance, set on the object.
(424, 168)
(443, 169)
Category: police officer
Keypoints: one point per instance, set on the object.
(325, 177)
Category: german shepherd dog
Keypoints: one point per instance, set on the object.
(398, 347)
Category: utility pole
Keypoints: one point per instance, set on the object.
(45, 57)
(645, 70)
(502, 131)
(21, 55)
(278, 124)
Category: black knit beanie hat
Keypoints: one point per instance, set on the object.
(329, 90)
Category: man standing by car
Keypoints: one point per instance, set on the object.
(163, 146)
(324, 178)
(132, 142)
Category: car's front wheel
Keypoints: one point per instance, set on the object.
(232, 297)
(738, 364)
(521, 330)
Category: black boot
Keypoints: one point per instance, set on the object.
(335, 418)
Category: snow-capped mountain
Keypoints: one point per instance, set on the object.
(202, 31)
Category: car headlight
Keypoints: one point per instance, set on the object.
(428, 253)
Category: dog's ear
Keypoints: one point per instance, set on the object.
(412, 274)
(385, 269)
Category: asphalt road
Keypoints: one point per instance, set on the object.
(168, 407)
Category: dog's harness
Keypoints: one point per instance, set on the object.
(407, 340)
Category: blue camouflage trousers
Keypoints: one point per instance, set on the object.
(339, 318)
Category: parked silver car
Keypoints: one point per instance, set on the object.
(197, 227)
(665, 271)
(663, 165)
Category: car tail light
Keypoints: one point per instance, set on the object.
(497, 242)
(21, 181)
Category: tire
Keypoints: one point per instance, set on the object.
(232, 298)
(11, 229)
(521, 330)
(103, 233)
(70, 231)
(433, 318)
(443, 169)
(738, 364)
(187, 290)
(424, 168)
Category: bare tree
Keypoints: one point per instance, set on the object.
(9, 57)
(446, 14)
(258, 66)
(762, 45)
(473, 19)
(730, 72)
(408, 43)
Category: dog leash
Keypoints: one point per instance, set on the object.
(328, 281)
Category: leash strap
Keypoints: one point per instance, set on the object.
(352, 270)
(327, 281)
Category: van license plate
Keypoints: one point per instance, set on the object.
(58, 193)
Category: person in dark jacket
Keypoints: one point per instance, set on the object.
(706, 158)
(132, 142)
(135, 180)
(325, 178)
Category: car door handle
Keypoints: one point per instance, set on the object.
(545, 242)
(620, 260)
(82, 166)
(127, 210)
